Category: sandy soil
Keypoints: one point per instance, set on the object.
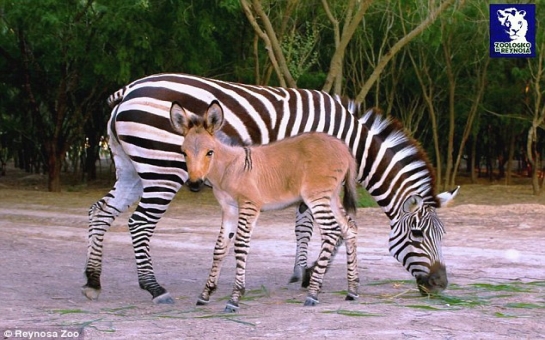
(494, 248)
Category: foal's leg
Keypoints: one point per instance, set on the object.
(331, 232)
(227, 231)
(248, 214)
(349, 231)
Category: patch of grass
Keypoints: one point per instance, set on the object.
(350, 313)
(294, 301)
(503, 287)
(227, 317)
(425, 307)
(69, 311)
(457, 301)
(257, 293)
(365, 200)
(524, 305)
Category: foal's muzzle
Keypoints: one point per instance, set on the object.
(195, 186)
(435, 282)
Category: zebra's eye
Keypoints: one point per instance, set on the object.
(417, 235)
(210, 153)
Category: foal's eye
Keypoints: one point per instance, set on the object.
(210, 153)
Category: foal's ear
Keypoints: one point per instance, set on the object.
(213, 118)
(180, 119)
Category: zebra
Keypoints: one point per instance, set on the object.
(150, 168)
(416, 231)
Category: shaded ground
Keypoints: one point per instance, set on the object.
(494, 248)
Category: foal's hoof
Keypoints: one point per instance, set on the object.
(90, 293)
(311, 301)
(163, 299)
(351, 297)
(231, 307)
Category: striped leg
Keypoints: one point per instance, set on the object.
(248, 215)
(126, 191)
(227, 231)
(350, 233)
(331, 232)
(141, 226)
(304, 224)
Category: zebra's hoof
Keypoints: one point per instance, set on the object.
(90, 293)
(231, 307)
(307, 273)
(351, 297)
(311, 301)
(297, 274)
(202, 302)
(163, 299)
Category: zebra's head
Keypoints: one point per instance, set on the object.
(415, 241)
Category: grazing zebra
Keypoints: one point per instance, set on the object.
(307, 168)
(399, 179)
(150, 168)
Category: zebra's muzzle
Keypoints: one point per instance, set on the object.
(435, 282)
(195, 186)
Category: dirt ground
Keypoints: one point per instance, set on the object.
(494, 249)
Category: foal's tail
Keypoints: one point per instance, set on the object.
(350, 198)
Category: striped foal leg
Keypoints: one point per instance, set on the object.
(227, 231)
(331, 232)
(247, 218)
(349, 231)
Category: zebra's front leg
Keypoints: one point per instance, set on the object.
(304, 223)
(227, 232)
(248, 215)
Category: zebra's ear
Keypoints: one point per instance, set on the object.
(213, 118)
(446, 197)
(179, 119)
(412, 203)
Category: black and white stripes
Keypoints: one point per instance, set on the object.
(150, 168)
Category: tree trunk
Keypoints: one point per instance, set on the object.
(511, 155)
(533, 158)
(473, 159)
(54, 161)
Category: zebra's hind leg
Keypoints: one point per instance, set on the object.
(142, 224)
(125, 192)
(304, 223)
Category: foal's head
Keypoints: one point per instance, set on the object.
(199, 141)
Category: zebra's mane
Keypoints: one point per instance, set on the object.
(387, 129)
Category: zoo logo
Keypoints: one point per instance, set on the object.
(512, 30)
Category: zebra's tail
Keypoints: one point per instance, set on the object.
(116, 97)
(350, 198)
